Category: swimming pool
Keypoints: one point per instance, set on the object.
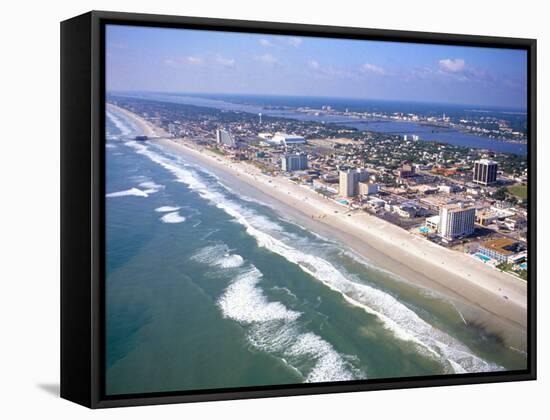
(523, 266)
(482, 257)
(424, 229)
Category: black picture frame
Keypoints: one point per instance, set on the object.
(83, 203)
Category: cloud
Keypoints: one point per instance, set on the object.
(267, 59)
(372, 68)
(457, 69)
(265, 42)
(224, 61)
(294, 41)
(194, 60)
(314, 64)
(182, 62)
(452, 65)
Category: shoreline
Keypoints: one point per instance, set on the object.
(417, 261)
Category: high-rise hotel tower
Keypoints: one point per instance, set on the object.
(456, 220)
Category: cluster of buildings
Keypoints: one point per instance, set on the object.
(451, 210)
(477, 125)
(447, 194)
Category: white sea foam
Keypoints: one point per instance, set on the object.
(210, 254)
(273, 328)
(187, 177)
(151, 187)
(218, 256)
(138, 178)
(230, 261)
(404, 323)
(330, 365)
(245, 303)
(124, 127)
(166, 209)
(395, 316)
(173, 217)
(132, 191)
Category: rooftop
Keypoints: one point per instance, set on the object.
(504, 246)
(487, 162)
(458, 207)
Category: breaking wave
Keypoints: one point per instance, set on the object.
(173, 217)
(166, 209)
(124, 128)
(272, 327)
(245, 303)
(151, 187)
(396, 317)
(132, 191)
(218, 256)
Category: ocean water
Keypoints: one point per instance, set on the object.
(209, 286)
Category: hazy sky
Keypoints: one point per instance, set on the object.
(180, 60)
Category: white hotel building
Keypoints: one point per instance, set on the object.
(456, 220)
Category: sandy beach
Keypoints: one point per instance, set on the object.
(498, 301)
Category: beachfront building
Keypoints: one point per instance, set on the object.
(224, 138)
(406, 210)
(348, 183)
(501, 249)
(350, 179)
(485, 172)
(324, 186)
(293, 162)
(366, 188)
(456, 220)
(433, 222)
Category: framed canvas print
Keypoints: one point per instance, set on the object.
(255, 209)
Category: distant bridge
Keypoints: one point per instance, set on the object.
(142, 138)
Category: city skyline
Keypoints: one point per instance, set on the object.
(197, 61)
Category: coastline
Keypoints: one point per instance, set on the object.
(420, 262)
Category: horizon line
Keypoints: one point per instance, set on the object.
(410, 101)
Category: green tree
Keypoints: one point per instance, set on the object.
(501, 194)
